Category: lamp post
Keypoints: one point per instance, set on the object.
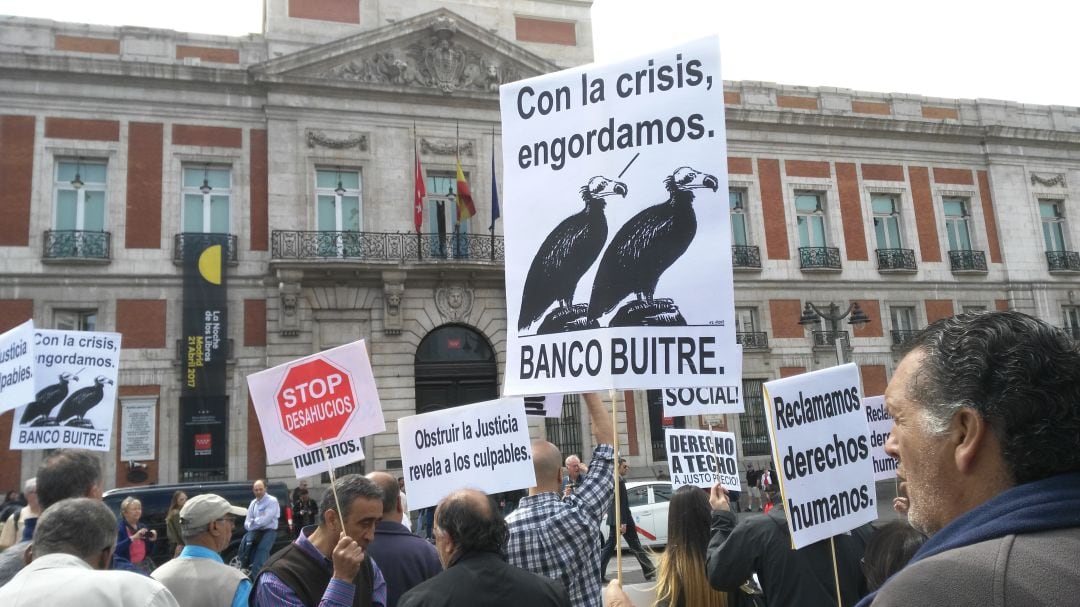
(833, 315)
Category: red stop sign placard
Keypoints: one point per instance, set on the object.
(315, 401)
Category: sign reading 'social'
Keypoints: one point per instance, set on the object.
(881, 424)
(317, 407)
(822, 452)
(714, 400)
(618, 241)
(702, 458)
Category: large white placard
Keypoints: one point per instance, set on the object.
(75, 374)
(138, 429)
(17, 366)
(618, 240)
(714, 400)
(315, 409)
(819, 432)
(881, 423)
(484, 446)
(544, 405)
(702, 458)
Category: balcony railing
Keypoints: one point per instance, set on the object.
(1063, 261)
(200, 239)
(819, 258)
(902, 337)
(896, 260)
(385, 246)
(827, 339)
(744, 256)
(967, 261)
(757, 340)
(77, 245)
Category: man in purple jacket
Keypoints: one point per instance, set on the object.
(405, 559)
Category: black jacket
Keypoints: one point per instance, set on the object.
(625, 517)
(790, 578)
(484, 579)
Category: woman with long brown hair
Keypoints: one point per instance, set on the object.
(172, 522)
(681, 579)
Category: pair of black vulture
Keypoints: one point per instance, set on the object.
(641, 251)
(75, 407)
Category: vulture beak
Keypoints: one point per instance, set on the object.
(710, 182)
(620, 188)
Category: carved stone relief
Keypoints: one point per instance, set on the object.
(445, 147)
(319, 139)
(1048, 180)
(289, 292)
(392, 293)
(454, 301)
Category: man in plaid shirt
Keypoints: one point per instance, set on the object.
(560, 537)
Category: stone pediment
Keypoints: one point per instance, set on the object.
(438, 51)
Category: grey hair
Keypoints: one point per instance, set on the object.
(189, 534)
(935, 418)
(349, 488)
(31, 485)
(79, 526)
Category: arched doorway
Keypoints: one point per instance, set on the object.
(455, 365)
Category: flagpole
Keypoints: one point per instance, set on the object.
(416, 161)
(457, 200)
(494, 193)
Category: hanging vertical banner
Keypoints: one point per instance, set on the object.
(618, 236)
(75, 373)
(204, 418)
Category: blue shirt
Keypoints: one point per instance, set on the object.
(240, 599)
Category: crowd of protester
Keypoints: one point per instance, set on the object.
(987, 436)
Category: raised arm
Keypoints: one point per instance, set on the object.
(602, 429)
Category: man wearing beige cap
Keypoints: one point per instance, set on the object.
(199, 576)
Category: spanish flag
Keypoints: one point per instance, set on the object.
(465, 206)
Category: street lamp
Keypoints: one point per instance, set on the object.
(832, 313)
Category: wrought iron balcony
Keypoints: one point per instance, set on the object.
(901, 337)
(1063, 261)
(819, 258)
(77, 245)
(200, 239)
(827, 339)
(386, 246)
(745, 257)
(896, 260)
(963, 262)
(757, 340)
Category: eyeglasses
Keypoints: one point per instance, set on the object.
(228, 518)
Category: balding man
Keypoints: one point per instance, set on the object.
(198, 577)
(987, 435)
(405, 559)
(73, 545)
(470, 535)
(560, 538)
(260, 529)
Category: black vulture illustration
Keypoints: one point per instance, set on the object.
(45, 401)
(568, 252)
(81, 401)
(647, 245)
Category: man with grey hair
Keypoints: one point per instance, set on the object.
(73, 545)
(987, 436)
(406, 559)
(20, 525)
(198, 577)
(65, 473)
(329, 563)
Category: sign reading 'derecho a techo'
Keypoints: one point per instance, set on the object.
(316, 406)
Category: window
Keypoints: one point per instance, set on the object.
(1053, 224)
(565, 431)
(811, 219)
(1072, 320)
(442, 215)
(737, 202)
(754, 432)
(746, 320)
(886, 221)
(903, 318)
(338, 196)
(80, 196)
(75, 320)
(661, 493)
(957, 223)
(206, 193)
(638, 496)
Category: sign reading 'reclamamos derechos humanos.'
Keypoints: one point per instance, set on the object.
(881, 424)
(618, 240)
(822, 453)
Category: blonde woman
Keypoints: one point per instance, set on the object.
(134, 540)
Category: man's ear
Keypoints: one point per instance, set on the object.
(333, 521)
(28, 555)
(400, 509)
(105, 559)
(968, 435)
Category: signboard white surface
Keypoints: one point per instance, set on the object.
(618, 239)
(17, 366)
(318, 405)
(483, 446)
(75, 402)
(702, 458)
(714, 400)
(823, 460)
(881, 424)
(544, 405)
(138, 429)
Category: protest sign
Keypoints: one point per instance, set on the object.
(17, 366)
(544, 405)
(881, 423)
(822, 452)
(318, 406)
(137, 429)
(714, 400)
(618, 240)
(75, 374)
(702, 458)
(484, 446)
